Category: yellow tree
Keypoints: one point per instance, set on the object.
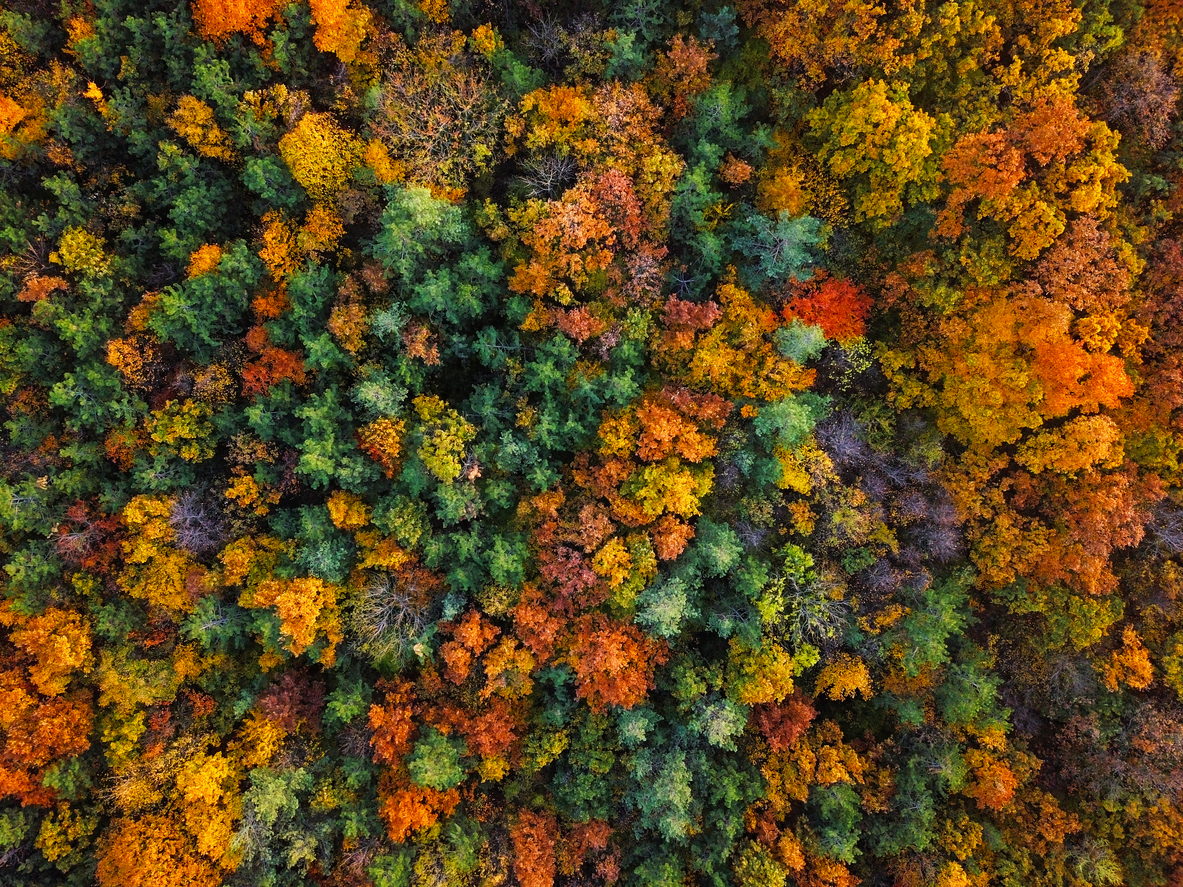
(321, 155)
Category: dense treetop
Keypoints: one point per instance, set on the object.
(517, 443)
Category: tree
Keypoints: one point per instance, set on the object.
(152, 850)
(307, 610)
(1140, 95)
(534, 843)
(839, 306)
(340, 27)
(613, 662)
(59, 641)
(874, 136)
(218, 19)
(440, 111)
(321, 155)
(194, 121)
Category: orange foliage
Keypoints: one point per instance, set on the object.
(280, 252)
(813, 38)
(58, 641)
(136, 358)
(307, 609)
(613, 661)
(735, 172)
(1067, 162)
(666, 423)
(613, 126)
(347, 511)
(272, 366)
(670, 537)
(393, 723)
(837, 305)
(783, 723)
(1129, 664)
(492, 733)
(734, 358)
(472, 636)
(348, 324)
(152, 852)
(994, 782)
(37, 289)
(986, 398)
(418, 344)
(683, 319)
(534, 836)
(381, 440)
(681, 74)
(37, 732)
(536, 623)
(204, 259)
(321, 230)
(218, 19)
(406, 807)
(568, 244)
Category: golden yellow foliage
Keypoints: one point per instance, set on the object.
(613, 562)
(151, 851)
(321, 155)
(756, 676)
(445, 437)
(10, 114)
(155, 570)
(307, 609)
(82, 252)
(60, 830)
(1129, 665)
(184, 428)
(321, 230)
(194, 121)
(844, 677)
(347, 511)
(386, 170)
(259, 739)
(485, 40)
(340, 27)
(381, 440)
(435, 10)
(251, 559)
(134, 358)
(213, 805)
(280, 252)
(213, 384)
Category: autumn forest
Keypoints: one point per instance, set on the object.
(463, 443)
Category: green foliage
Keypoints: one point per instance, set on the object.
(563, 612)
(436, 761)
(779, 251)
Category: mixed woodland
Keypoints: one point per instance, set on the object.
(555, 444)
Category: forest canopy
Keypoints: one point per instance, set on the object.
(469, 443)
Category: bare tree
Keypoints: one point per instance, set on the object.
(1141, 96)
(392, 613)
(549, 176)
(198, 525)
